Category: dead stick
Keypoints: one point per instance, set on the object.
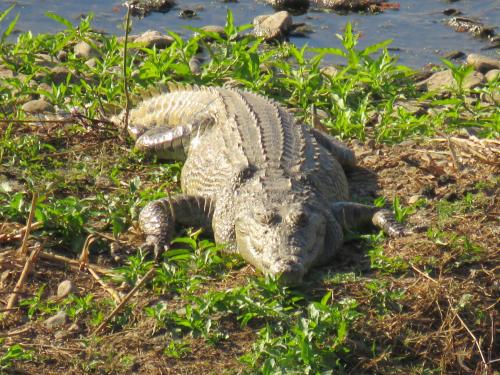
(24, 247)
(469, 331)
(105, 286)
(73, 263)
(24, 274)
(125, 77)
(124, 301)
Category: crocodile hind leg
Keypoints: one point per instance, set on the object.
(351, 215)
(160, 217)
(343, 154)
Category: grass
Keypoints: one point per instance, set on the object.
(378, 310)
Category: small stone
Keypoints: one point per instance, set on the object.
(454, 55)
(289, 4)
(83, 50)
(452, 12)
(214, 29)
(59, 74)
(74, 327)
(187, 13)
(329, 71)
(65, 288)
(37, 106)
(62, 56)
(195, 65)
(483, 63)
(441, 81)
(272, 26)
(6, 73)
(91, 63)
(60, 335)
(44, 86)
(153, 38)
(57, 320)
(414, 199)
(492, 75)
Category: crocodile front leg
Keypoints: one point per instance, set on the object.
(351, 215)
(339, 151)
(160, 217)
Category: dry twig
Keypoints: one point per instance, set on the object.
(12, 301)
(124, 301)
(23, 250)
(113, 293)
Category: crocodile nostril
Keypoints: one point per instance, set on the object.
(290, 271)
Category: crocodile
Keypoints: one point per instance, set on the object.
(268, 188)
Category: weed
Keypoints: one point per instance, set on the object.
(13, 354)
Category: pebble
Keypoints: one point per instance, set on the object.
(91, 63)
(329, 70)
(57, 320)
(65, 288)
(272, 26)
(153, 38)
(443, 80)
(483, 63)
(414, 199)
(83, 50)
(492, 75)
(59, 75)
(62, 56)
(37, 106)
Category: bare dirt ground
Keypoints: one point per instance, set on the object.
(445, 323)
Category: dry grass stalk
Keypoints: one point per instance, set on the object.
(12, 301)
(6, 237)
(124, 301)
(84, 256)
(73, 263)
(23, 250)
(113, 293)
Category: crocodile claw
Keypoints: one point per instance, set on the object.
(155, 246)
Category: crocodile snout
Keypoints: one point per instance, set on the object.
(291, 271)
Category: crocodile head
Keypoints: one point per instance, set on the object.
(281, 239)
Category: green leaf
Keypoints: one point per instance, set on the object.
(60, 19)
(11, 26)
(6, 12)
(374, 48)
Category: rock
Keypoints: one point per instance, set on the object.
(465, 24)
(44, 86)
(37, 106)
(195, 65)
(6, 73)
(57, 320)
(289, 4)
(329, 71)
(153, 38)
(483, 63)
(214, 29)
(414, 199)
(59, 75)
(441, 81)
(62, 56)
(187, 13)
(272, 26)
(91, 63)
(141, 8)
(65, 288)
(44, 60)
(492, 75)
(83, 50)
(415, 107)
(452, 12)
(74, 327)
(454, 55)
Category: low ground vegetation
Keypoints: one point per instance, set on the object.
(423, 304)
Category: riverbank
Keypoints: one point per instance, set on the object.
(426, 145)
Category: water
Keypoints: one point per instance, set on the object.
(420, 35)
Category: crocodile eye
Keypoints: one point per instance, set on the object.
(268, 217)
(298, 218)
